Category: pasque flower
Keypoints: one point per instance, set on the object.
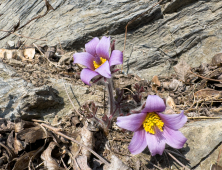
(153, 128)
(97, 59)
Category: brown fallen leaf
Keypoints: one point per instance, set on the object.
(166, 85)
(23, 161)
(75, 148)
(29, 53)
(19, 125)
(170, 102)
(10, 140)
(181, 69)
(82, 162)
(215, 167)
(87, 140)
(175, 84)
(49, 162)
(217, 60)
(30, 135)
(17, 145)
(155, 83)
(11, 154)
(206, 93)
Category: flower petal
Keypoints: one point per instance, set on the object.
(104, 70)
(91, 46)
(85, 59)
(174, 138)
(116, 58)
(131, 122)
(154, 104)
(102, 49)
(174, 121)
(138, 142)
(87, 74)
(156, 143)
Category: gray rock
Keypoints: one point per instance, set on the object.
(74, 22)
(188, 29)
(19, 99)
(192, 33)
(203, 139)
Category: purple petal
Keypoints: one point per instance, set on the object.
(87, 74)
(85, 59)
(131, 122)
(104, 70)
(102, 49)
(154, 104)
(174, 138)
(175, 121)
(138, 142)
(116, 58)
(156, 143)
(91, 46)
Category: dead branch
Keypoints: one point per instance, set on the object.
(204, 77)
(71, 100)
(177, 161)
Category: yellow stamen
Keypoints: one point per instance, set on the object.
(102, 61)
(152, 120)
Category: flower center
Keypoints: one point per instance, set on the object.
(98, 64)
(151, 121)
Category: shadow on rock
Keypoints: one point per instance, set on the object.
(39, 102)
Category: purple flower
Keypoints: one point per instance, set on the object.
(153, 128)
(97, 59)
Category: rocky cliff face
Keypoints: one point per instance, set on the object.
(189, 29)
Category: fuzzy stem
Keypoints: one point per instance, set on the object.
(109, 87)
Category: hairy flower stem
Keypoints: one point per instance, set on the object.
(109, 86)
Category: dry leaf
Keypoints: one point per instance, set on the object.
(87, 140)
(181, 69)
(170, 102)
(48, 161)
(166, 85)
(48, 6)
(206, 93)
(19, 126)
(6, 126)
(215, 167)
(11, 154)
(175, 84)
(10, 140)
(75, 148)
(17, 145)
(217, 60)
(155, 83)
(23, 161)
(82, 162)
(30, 135)
(29, 53)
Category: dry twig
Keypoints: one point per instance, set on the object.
(67, 137)
(71, 100)
(177, 161)
(204, 77)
